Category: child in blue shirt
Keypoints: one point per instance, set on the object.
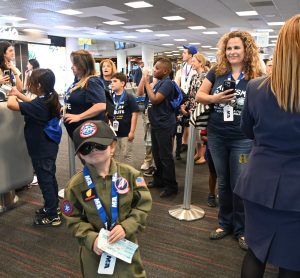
(42, 150)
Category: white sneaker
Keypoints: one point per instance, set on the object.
(145, 166)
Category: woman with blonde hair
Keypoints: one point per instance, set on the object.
(269, 185)
(237, 63)
(85, 98)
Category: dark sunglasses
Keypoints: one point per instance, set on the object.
(86, 148)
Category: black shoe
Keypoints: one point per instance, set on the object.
(153, 184)
(167, 193)
(47, 221)
(242, 243)
(184, 148)
(43, 212)
(178, 157)
(219, 235)
(211, 200)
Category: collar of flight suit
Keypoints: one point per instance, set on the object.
(112, 170)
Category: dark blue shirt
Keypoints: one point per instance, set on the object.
(36, 115)
(123, 112)
(216, 123)
(83, 99)
(162, 115)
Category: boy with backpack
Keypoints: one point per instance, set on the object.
(163, 124)
(124, 117)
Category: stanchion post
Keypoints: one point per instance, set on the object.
(72, 170)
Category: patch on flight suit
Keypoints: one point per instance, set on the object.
(140, 182)
(88, 194)
(67, 207)
(122, 185)
(243, 158)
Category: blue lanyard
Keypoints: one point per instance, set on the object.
(187, 73)
(120, 101)
(69, 89)
(114, 199)
(241, 76)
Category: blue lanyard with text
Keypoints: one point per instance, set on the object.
(230, 77)
(114, 199)
(120, 101)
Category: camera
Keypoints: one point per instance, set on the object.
(229, 84)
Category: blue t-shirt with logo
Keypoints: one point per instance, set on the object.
(124, 107)
(162, 115)
(83, 99)
(216, 123)
(36, 115)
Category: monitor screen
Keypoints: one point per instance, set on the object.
(119, 45)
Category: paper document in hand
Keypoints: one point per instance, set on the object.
(122, 249)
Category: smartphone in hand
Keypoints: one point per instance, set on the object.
(229, 84)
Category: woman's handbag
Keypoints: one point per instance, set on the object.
(200, 116)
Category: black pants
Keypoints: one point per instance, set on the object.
(45, 169)
(162, 145)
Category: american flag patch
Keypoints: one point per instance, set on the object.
(140, 181)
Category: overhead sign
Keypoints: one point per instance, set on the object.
(262, 39)
(83, 41)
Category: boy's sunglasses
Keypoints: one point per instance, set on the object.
(86, 148)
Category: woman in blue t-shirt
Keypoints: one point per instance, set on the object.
(238, 62)
(85, 98)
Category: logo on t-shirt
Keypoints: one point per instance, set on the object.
(88, 130)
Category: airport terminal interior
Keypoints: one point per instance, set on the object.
(174, 244)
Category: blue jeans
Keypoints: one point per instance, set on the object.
(229, 157)
(45, 171)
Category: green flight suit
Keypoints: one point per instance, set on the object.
(84, 221)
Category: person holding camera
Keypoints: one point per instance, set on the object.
(225, 89)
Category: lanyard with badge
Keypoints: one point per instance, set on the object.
(67, 95)
(228, 109)
(117, 104)
(107, 262)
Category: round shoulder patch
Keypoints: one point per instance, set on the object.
(122, 185)
(88, 130)
(67, 207)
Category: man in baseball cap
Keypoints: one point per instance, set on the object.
(97, 132)
(192, 49)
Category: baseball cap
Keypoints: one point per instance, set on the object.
(193, 49)
(93, 132)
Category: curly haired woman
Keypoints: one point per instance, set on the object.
(238, 62)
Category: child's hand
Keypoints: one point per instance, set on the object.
(130, 136)
(97, 250)
(116, 234)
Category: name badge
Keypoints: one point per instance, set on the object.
(228, 113)
(107, 264)
(115, 125)
(179, 129)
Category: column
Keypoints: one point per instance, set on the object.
(121, 61)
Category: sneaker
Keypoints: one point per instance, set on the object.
(34, 181)
(218, 234)
(43, 212)
(211, 200)
(145, 166)
(184, 148)
(149, 172)
(47, 221)
(242, 243)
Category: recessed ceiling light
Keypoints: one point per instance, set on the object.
(130, 37)
(265, 30)
(180, 47)
(273, 41)
(214, 48)
(272, 44)
(169, 55)
(195, 43)
(197, 27)
(167, 44)
(30, 30)
(144, 30)
(206, 46)
(210, 32)
(138, 4)
(275, 23)
(176, 54)
(175, 51)
(113, 22)
(96, 33)
(175, 17)
(180, 40)
(69, 12)
(273, 37)
(162, 35)
(246, 13)
(64, 27)
(168, 52)
(12, 18)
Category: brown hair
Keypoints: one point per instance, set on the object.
(112, 64)
(252, 64)
(121, 76)
(285, 77)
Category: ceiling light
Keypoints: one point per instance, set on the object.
(180, 47)
(275, 23)
(175, 17)
(264, 30)
(69, 12)
(162, 35)
(167, 44)
(197, 27)
(96, 33)
(206, 46)
(273, 37)
(168, 52)
(273, 41)
(64, 27)
(32, 30)
(144, 30)
(246, 13)
(12, 18)
(113, 22)
(180, 40)
(174, 51)
(214, 48)
(195, 43)
(138, 4)
(169, 55)
(210, 32)
(130, 37)
(176, 54)
(272, 44)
